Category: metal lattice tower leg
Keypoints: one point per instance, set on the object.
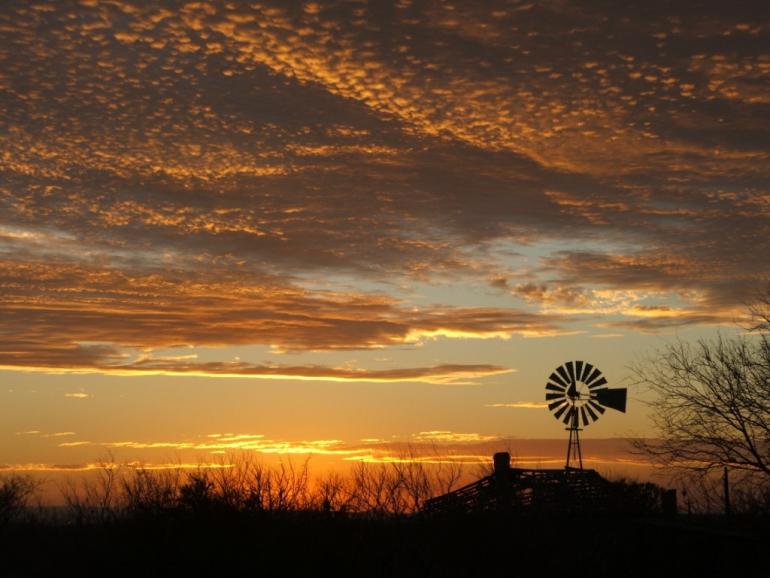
(573, 446)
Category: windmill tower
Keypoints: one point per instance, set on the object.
(576, 392)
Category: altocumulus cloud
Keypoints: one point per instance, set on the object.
(174, 173)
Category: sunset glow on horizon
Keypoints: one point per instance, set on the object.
(358, 229)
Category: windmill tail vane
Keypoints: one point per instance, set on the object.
(577, 392)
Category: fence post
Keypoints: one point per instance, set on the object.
(669, 503)
(727, 492)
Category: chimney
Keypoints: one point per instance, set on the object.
(502, 463)
(503, 488)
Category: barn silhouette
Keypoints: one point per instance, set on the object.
(558, 491)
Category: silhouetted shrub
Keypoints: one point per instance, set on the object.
(631, 497)
(15, 492)
(241, 483)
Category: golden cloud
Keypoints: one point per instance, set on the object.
(73, 317)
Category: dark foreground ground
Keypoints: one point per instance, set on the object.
(315, 544)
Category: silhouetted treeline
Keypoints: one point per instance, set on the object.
(244, 484)
(241, 483)
(250, 519)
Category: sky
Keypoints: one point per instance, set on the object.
(347, 228)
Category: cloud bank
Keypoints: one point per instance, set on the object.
(187, 173)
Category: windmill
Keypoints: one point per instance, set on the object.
(577, 391)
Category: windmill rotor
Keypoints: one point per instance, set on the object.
(577, 393)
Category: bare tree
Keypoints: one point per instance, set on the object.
(283, 488)
(413, 480)
(372, 485)
(94, 499)
(334, 493)
(150, 492)
(447, 476)
(711, 402)
(15, 493)
(760, 313)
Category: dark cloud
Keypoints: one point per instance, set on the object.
(664, 320)
(61, 315)
(712, 287)
(543, 293)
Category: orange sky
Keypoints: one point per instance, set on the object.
(328, 228)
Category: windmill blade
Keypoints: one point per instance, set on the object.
(568, 417)
(556, 379)
(586, 371)
(557, 415)
(596, 406)
(612, 398)
(594, 375)
(583, 415)
(553, 387)
(563, 374)
(553, 405)
(578, 370)
(571, 371)
(587, 407)
(554, 396)
(598, 383)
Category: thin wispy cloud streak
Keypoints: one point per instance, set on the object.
(424, 447)
(520, 405)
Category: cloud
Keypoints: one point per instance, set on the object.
(174, 176)
(97, 466)
(63, 316)
(641, 286)
(38, 433)
(452, 437)
(440, 374)
(218, 443)
(520, 404)
(422, 445)
(543, 294)
(432, 447)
